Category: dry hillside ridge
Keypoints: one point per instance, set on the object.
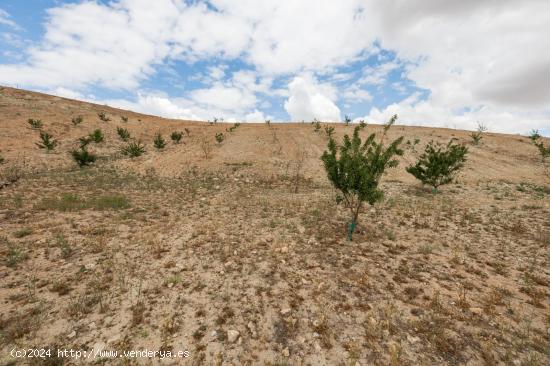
(237, 252)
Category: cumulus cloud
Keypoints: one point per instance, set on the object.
(309, 99)
(5, 19)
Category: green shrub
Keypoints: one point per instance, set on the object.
(35, 124)
(220, 137)
(96, 136)
(103, 116)
(478, 134)
(316, 125)
(356, 167)
(544, 151)
(437, 165)
(83, 157)
(123, 133)
(329, 131)
(46, 141)
(159, 141)
(176, 136)
(124, 118)
(77, 120)
(233, 128)
(133, 149)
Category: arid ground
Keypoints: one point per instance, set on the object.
(237, 252)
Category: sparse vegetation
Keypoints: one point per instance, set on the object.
(96, 136)
(329, 131)
(233, 128)
(73, 202)
(316, 125)
(123, 133)
(46, 141)
(544, 151)
(133, 149)
(187, 131)
(103, 116)
(176, 136)
(347, 120)
(124, 118)
(438, 165)
(159, 141)
(35, 124)
(356, 167)
(477, 135)
(219, 137)
(77, 120)
(83, 157)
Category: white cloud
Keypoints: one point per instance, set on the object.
(225, 98)
(5, 19)
(309, 99)
(354, 94)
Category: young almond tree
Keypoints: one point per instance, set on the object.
(356, 167)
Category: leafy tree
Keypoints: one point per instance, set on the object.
(77, 120)
(477, 135)
(356, 167)
(96, 136)
(35, 124)
(103, 116)
(176, 136)
(159, 141)
(46, 141)
(123, 133)
(83, 157)
(438, 165)
(133, 149)
(220, 137)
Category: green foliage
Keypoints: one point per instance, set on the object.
(103, 116)
(123, 133)
(362, 124)
(544, 151)
(83, 157)
(176, 136)
(329, 131)
(316, 125)
(233, 128)
(124, 118)
(477, 135)
(46, 141)
(96, 136)
(77, 120)
(35, 124)
(347, 120)
(133, 149)
(159, 142)
(220, 137)
(437, 165)
(356, 167)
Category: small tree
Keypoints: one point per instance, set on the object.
(77, 120)
(347, 120)
(103, 116)
(219, 138)
(35, 124)
(437, 165)
(268, 122)
(316, 125)
(124, 118)
(83, 157)
(477, 135)
(123, 133)
(544, 151)
(329, 131)
(159, 141)
(46, 141)
(356, 167)
(96, 136)
(133, 149)
(176, 136)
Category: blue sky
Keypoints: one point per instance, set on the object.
(434, 63)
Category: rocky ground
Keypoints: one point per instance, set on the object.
(240, 257)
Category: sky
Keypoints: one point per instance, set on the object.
(443, 63)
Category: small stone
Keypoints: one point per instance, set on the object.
(92, 325)
(413, 339)
(476, 311)
(72, 334)
(286, 311)
(284, 250)
(286, 352)
(170, 285)
(232, 335)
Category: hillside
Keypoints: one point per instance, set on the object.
(239, 255)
